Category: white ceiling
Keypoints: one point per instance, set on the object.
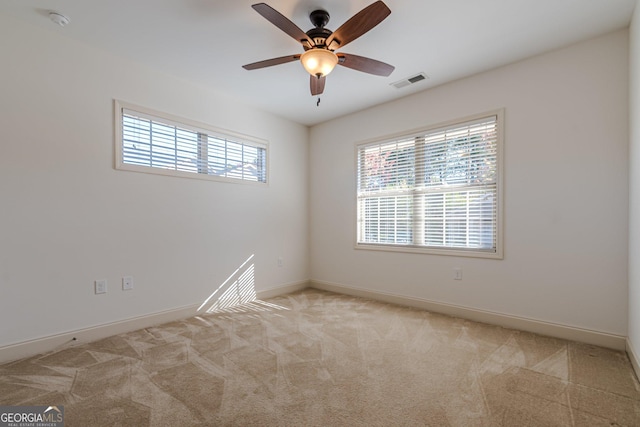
(207, 42)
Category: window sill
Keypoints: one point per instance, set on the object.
(469, 253)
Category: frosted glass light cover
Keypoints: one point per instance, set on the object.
(319, 61)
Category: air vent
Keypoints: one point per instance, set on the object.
(409, 80)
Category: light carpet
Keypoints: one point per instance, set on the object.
(314, 358)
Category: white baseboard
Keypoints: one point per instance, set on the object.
(69, 339)
(633, 357)
(603, 339)
(94, 333)
(284, 289)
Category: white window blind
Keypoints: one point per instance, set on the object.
(438, 189)
(161, 144)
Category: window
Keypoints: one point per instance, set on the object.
(154, 142)
(436, 190)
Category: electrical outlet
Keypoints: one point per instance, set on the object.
(127, 283)
(457, 273)
(101, 286)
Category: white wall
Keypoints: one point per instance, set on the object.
(634, 184)
(566, 205)
(67, 217)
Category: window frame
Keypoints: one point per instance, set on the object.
(191, 125)
(452, 251)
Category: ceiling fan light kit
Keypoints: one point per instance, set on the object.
(319, 62)
(319, 43)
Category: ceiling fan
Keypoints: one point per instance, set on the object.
(319, 43)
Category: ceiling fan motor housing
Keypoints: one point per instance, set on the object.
(319, 34)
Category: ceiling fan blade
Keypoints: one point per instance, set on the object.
(317, 85)
(359, 24)
(282, 22)
(366, 65)
(271, 62)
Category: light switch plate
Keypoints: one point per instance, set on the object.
(101, 286)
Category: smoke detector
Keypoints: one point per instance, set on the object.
(58, 18)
